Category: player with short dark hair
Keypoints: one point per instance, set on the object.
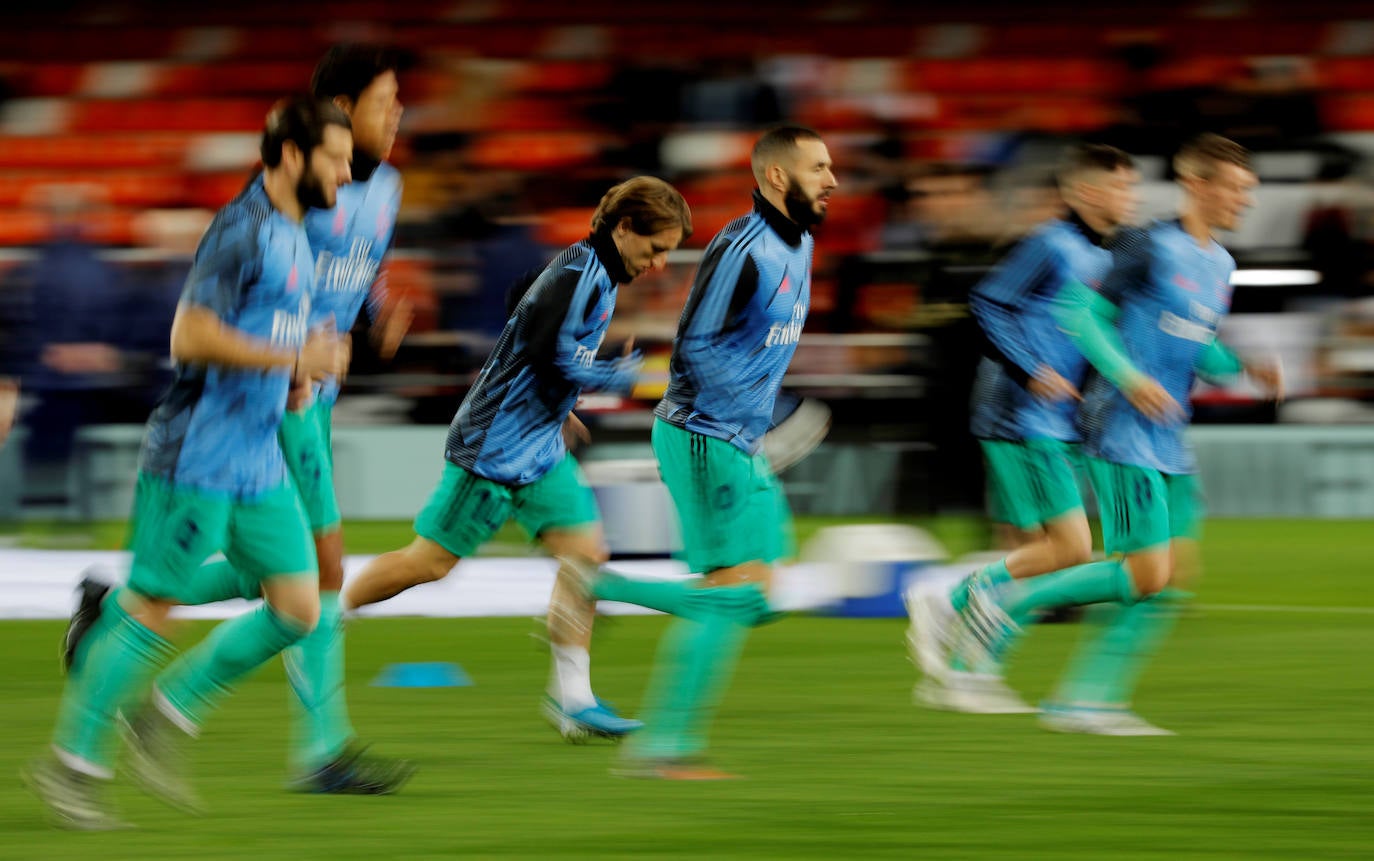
(1025, 403)
(212, 477)
(734, 342)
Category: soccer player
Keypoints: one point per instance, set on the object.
(506, 455)
(735, 339)
(1025, 405)
(1149, 330)
(349, 241)
(212, 477)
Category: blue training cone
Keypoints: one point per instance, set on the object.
(437, 674)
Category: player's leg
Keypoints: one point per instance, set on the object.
(1117, 649)
(173, 531)
(322, 737)
(1137, 522)
(571, 706)
(735, 524)
(463, 511)
(269, 538)
(1034, 486)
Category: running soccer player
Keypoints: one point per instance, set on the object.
(734, 342)
(506, 456)
(1149, 331)
(1025, 404)
(349, 241)
(212, 477)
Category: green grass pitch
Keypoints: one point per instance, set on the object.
(1267, 681)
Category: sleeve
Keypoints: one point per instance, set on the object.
(1217, 363)
(560, 309)
(1089, 317)
(387, 214)
(998, 300)
(726, 280)
(225, 265)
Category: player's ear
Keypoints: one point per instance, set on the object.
(345, 104)
(625, 226)
(777, 177)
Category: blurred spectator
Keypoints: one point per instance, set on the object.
(75, 297)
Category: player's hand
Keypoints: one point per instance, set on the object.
(1154, 402)
(392, 327)
(575, 433)
(300, 395)
(1268, 374)
(1049, 385)
(325, 354)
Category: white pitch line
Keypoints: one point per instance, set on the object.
(1285, 608)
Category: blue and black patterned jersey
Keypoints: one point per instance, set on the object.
(509, 427)
(740, 327)
(1014, 307)
(1171, 294)
(215, 429)
(349, 242)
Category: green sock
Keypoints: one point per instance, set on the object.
(668, 596)
(119, 656)
(315, 668)
(695, 661)
(991, 575)
(219, 581)
(204, 675)
(1092, 583)
(1114, 651)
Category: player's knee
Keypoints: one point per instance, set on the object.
(1148, 578)
(429, 563)
(1072, 550)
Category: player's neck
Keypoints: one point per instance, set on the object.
(1195, 226)
(282, 192)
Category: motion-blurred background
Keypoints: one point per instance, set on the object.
(124, 125)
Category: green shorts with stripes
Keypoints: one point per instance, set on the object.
(466, 509)
(1144, 509)
(1033, 481)
(729, 504)
(175, 529)
(306, 442)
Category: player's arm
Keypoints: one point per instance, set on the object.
(998, 303)
(389, 319)
(1218, 363)
(214, 290)
(1089, 318)
(560, 313)
(725, 282)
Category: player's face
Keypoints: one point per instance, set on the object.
(642, 254)
(1223, 198)
(377, 116)
(809, 183)
(1117, 194)
(327, 169)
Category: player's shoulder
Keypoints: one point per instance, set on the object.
(1137, 240)
(744, 230)
(239, 225)
(386, 179)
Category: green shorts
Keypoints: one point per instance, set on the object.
(175, 529)
(307, 445)
(466, 509)
(1143, 508)
(1033, 481)
(729, 504)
